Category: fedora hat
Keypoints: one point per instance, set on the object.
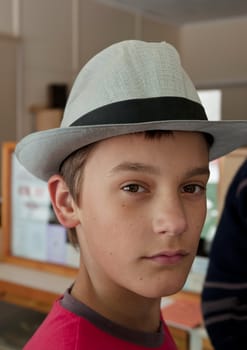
(131, 86)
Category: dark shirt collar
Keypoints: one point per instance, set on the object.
(151, 340)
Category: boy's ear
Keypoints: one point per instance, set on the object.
(62, 202)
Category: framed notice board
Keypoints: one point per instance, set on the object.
(31, 235)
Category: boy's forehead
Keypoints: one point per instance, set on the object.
(129, 145)
(179, 153)
(149, 136)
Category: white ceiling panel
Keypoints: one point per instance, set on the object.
(180, 12)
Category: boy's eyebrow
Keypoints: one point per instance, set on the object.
(141, 167)
(135, 166)
(198, 171)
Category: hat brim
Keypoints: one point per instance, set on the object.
(43, 152)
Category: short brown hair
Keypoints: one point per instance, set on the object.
(72, 172)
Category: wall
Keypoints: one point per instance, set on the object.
(153, 30)
(100, 26)
(45, 55)
(8, 66)
(46, 29)
(6, 17)
(59, 36)
(216, 52)
(215, 55)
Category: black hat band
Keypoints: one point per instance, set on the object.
(144, 110)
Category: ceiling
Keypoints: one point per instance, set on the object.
(179, 12)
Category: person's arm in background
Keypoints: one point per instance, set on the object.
(224, 295)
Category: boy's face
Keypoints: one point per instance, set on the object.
(142, 208)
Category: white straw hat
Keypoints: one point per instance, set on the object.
(131, 86)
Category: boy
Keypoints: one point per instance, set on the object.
(127, 173)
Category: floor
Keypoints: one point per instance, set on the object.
(17, 324)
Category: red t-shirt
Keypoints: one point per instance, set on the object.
(71, 325)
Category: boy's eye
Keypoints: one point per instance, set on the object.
(134, 188)
(193, 188)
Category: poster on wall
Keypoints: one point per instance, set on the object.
(35, 232)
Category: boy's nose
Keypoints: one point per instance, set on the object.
(169, 217)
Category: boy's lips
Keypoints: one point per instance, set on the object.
(168, 257)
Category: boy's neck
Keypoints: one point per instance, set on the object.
(118, 305)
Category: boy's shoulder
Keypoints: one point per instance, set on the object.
(58, 331)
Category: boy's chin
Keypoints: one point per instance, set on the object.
(160, 291)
